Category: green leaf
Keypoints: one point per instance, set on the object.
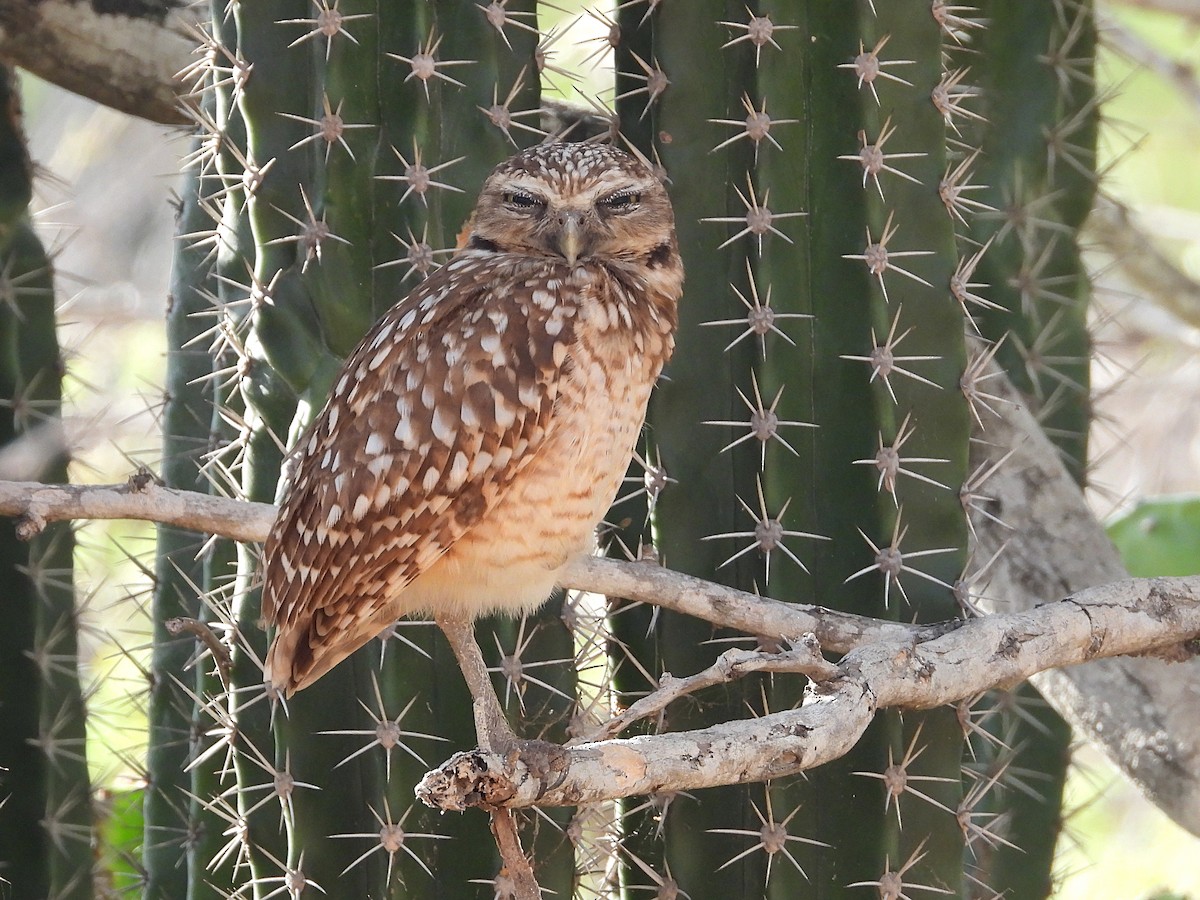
(1160, 537)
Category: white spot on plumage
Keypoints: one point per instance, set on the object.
(432, 477)
(505, 414)
(443, 426)
(382, 335)
(481, 463)
(468, 416)
(529, 394)
(458, 471)
(404, 434)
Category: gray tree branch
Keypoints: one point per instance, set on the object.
(34, 505)
(1136, 616)
(125, 57)
(1140, 712)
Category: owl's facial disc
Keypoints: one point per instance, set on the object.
(569, 218)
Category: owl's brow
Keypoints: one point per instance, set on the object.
(594, 187)
(527, 184)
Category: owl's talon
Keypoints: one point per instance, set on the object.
(491, 725)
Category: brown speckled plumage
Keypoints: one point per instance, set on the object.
(479, 432)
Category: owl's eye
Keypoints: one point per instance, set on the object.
(522, 200)
(621, 202)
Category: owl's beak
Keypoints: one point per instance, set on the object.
(570, 237)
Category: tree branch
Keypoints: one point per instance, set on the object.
(1137, 616)
(125, 57)
(34, 505)
(893, 665)
(1139, 712)
(804, 659)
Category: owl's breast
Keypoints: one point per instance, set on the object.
(547, 516)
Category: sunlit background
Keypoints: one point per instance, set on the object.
(105, 202)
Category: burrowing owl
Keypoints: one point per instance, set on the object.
(478, 433)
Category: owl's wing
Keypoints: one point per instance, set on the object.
(443, 403)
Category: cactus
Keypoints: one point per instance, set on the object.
(46, 815)
(902, 81)
(836, 223)
(822, 208)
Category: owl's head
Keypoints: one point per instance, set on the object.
(575, 201)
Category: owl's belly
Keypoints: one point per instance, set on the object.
(510, 561)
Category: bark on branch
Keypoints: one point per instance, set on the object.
(1136, 616)
(34, 505)
(888, 664)
(123, 54)
(1140, 711)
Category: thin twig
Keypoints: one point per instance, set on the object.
(208, 638)
(804, 659)
(496, 736)
(516, 872)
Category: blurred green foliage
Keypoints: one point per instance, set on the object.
(1160, 536)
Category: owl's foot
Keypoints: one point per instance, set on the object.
(491, 725)
(545, 761)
